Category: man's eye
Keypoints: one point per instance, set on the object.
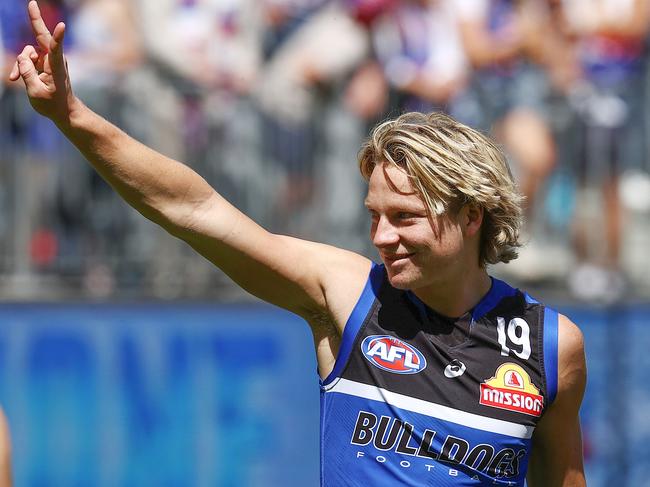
(404, 215)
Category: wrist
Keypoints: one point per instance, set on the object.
(74, 115)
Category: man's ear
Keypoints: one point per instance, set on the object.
(471, 219)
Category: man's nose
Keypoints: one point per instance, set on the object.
(385, 233)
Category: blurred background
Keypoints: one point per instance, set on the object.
(125, 359)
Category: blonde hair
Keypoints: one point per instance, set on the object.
(452, 164)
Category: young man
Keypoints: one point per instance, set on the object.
(432, 372)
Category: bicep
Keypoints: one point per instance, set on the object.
(557, 454)
(557, 443)
(294, 274)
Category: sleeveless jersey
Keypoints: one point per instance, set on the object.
(411, 402)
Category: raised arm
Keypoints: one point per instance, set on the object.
(557, 443)
(307, 278)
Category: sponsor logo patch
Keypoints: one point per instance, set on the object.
(393, 355)
(455, 369)
(512, 389)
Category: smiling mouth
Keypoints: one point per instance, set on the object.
(395, 258)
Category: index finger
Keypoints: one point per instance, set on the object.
(39, 28)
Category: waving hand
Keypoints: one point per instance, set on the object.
(44, 70)
(318, 282)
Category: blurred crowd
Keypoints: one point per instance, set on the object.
(270, 99)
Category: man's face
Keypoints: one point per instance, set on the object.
(417, 249)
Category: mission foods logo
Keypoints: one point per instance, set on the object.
(512, 389)
(394, 355)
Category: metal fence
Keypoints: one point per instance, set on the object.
(64, 233)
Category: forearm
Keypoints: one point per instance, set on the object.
(163, 190)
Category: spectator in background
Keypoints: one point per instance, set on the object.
(4, 65)
(207, 47)
(419, 46)
(208, 59)
(610, 41)
(314, 45)
(499, 36)
(552, 47)
(105, 27)
(13, 24)
(5, 68)
(366, 92)
(203, 61)
(105, 49)
(28, 150)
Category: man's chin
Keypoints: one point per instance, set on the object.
(402, 280)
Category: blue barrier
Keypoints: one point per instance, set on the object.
(614, 415)
(159, 395)
(201, 395)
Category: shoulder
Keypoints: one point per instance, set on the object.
(570, 336)
(335, 276)
(571, 347)
(345, 275)
(338, 268)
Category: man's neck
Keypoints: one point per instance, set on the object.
(455, 297)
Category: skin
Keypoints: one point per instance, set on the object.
(436, 257)
(5, 452)
(557, 441)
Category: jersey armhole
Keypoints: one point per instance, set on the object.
(355, 321)
(550, 345)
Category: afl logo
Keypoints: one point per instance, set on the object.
(393, 355)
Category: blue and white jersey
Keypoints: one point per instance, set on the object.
(417, 399)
